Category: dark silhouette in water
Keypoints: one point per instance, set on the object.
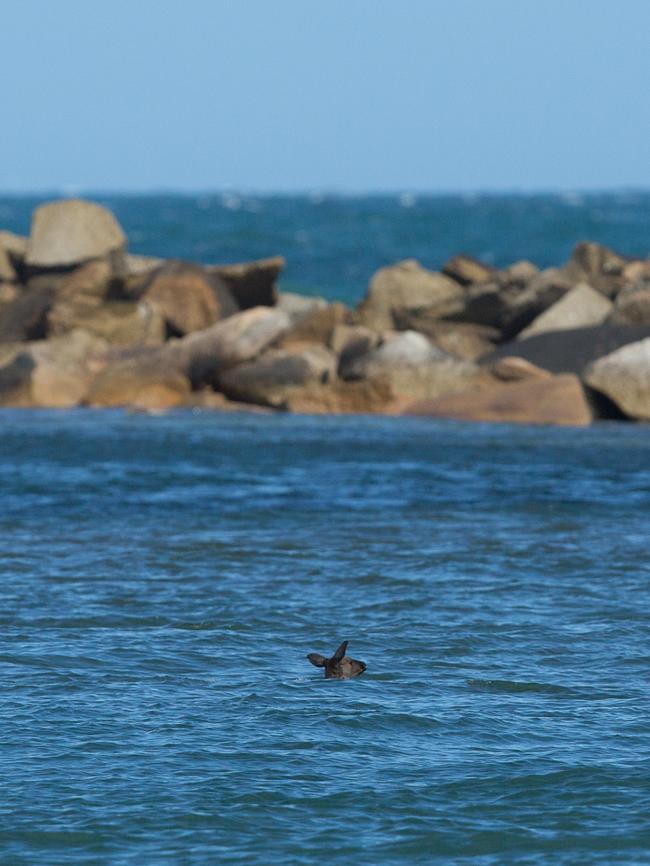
(340, 666)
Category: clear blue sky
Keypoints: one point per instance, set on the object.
(350, 95)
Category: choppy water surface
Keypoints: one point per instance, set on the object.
(163, 579)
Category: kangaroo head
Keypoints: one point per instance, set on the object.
(340, 666)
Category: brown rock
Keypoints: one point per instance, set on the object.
(139, 384)
(514, 369)
(467, 270)
(252, 284)
(67, 233)
(598, 266)
(338, 397)
(624, 377)
(188, 297)
(408, 286)
(554, 400)
(270, 379)
(8, 292)
(15, 246)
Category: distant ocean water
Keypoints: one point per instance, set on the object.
(334, 243)
(163, 579)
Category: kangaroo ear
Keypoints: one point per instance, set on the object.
(338, 655)
(317, 660)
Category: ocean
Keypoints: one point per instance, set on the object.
(165, 577)
(334, 243)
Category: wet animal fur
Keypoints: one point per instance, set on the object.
(340, 666)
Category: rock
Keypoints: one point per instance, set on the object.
(581, 307)
(7, 270)
(467, 270)
(519, 273)
(252, 284)
(188, 297)
(203, 355)
(463, 340)
(632, 305)
(597, 266)
(570, 351)
(624, 377)
(298, 306)
(553, 400)
(408, 286)
(120, 323)
(212, 401)
(8, 292)
(508, 305)
(514, 369)
(78, 295)
(140, 384)
(54, 373)
(414, 369)
(67, 233)
(25, 318)
(317, 326)
(338, 397)
(270, 379)
(352, 341)
(15, 246)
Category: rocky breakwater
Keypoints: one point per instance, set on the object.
(83, 323)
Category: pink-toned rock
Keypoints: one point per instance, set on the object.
(555, 400)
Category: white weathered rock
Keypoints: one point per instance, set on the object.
(581, 307)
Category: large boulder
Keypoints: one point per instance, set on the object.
(414, 368)
(597, 266)
(352, 341)
(624, 377)
(252, 284)
(54, 373)
(570, 351)
(545, 400)
(408, 286)
(189, 297)
(270, 379)
(338, 397)
(67, 233)
(581, 307)
(138, 383)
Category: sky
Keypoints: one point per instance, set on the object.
(336, 95)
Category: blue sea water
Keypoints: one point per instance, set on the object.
(164, 578)
(334, 243)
